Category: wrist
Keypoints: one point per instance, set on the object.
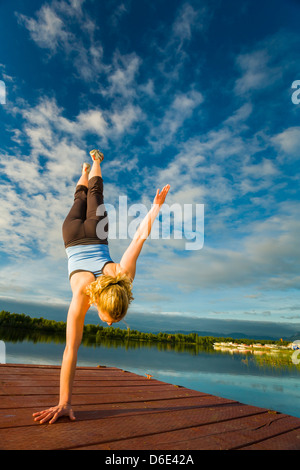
(155, 208)
(64, 403)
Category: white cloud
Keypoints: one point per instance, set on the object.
(288, 141)
(268, 258)
(33, 279)
(48, 30)
(239, 117)
(121, 78)
(263, 169)
(45, 123)
(219, 163)
(184, 23)
(91, 122)
(124, 119)
(119, 11)
(52, 29)
(188, 21)
(41, 183)
(180, 109)
(71, 8)
(256, 74)
(267, 63)
(258, 176)
(171, 46)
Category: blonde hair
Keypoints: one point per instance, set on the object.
(111, 294)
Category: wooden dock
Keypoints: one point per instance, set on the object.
(119, 410)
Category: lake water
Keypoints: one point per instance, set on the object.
(238, 377)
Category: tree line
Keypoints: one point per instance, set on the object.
(98, 333)
(25, 322)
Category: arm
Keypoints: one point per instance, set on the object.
(78, 308)
(75, 323)
(129, 259)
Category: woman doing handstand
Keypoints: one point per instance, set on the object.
(95, 279)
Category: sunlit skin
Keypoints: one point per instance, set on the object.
(80, 302)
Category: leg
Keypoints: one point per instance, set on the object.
(96, 169)
(94, 200)
(95, 191)
(83, 180)
(73, 226)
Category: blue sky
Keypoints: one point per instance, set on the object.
(196, 94)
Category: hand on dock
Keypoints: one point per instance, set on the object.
(52, 414)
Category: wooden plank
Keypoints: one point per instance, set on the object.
(225, 435)
(54, 373)
(10, 417)
(114, 397)
(100, 389)
(82, 433)
(35, 367)
(289, 440)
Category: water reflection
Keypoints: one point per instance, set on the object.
(261, 359)
(15, 335)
